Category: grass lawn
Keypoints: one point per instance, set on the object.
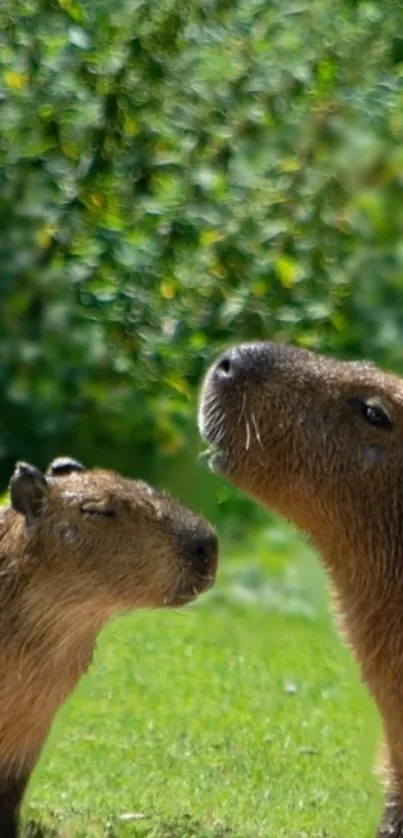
(241, 716)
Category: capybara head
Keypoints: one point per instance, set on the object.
(96, 537)
(319, 441)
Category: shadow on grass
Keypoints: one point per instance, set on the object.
(187, 827)
(182, 827)
(32, 829)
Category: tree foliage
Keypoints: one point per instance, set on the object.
(175, 176)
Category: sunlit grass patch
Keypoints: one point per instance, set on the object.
(242, 715)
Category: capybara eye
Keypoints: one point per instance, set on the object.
(102, 511)
(373, 412)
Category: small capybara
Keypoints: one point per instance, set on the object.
(78, 546)
(320, 442)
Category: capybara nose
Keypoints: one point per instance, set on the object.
(202, 553)
(244, 363)
(230, 365)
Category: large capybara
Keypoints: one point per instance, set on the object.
(78, 546)
(320, 441)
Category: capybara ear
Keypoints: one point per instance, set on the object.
(28, 489)
(64, 465)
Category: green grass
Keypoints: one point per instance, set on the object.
(241, 716)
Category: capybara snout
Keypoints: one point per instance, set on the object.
(200, 555)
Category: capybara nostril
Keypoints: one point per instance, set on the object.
(229, 365)
(202, 553)
(245, 362)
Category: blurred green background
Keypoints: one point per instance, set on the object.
(176, 176)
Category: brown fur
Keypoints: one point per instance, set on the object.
(320, 441)
(76, 548)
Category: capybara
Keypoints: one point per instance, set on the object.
(320, 441)
(77, 547)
